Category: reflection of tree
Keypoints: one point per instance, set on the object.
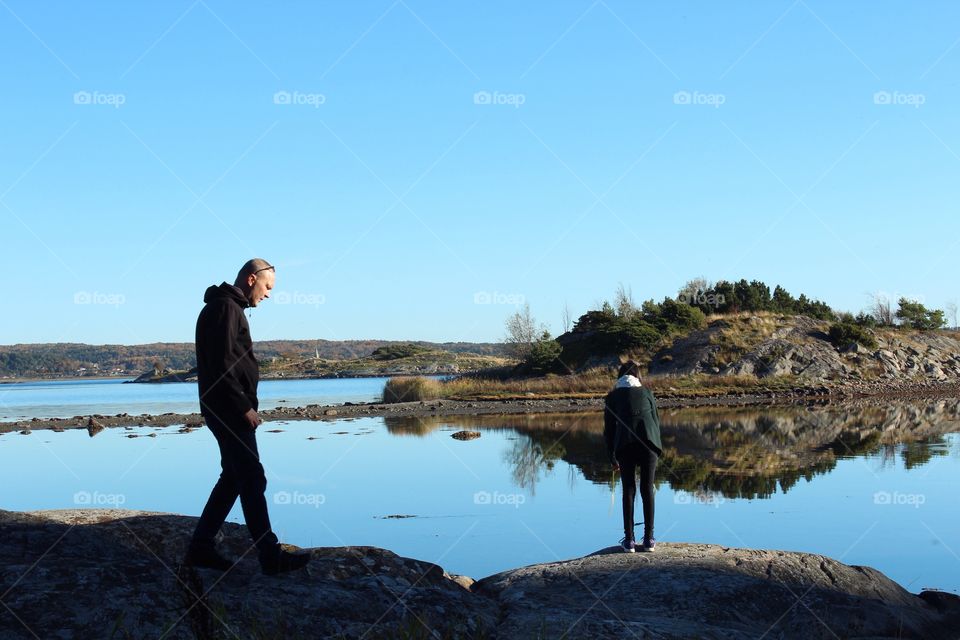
(527, 458)
(916, 454)
(854, 443)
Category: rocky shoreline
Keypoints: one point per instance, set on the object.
(114, 573)
(509, 406)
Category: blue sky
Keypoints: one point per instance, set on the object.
(401, 161)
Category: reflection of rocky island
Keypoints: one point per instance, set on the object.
(737, 453)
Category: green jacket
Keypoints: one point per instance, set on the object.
(630, 416)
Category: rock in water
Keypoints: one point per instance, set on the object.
(465, 435)
(93, 426)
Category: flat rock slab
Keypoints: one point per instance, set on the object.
(97, 573)
(708, 591)
(108, 573)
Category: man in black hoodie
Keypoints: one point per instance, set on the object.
(227, 376)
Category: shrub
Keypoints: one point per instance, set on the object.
(395, 351)
(844, 333)
(543, 354)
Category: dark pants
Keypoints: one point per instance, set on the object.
(632, 457)
(241, 476)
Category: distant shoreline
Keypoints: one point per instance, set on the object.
(502, 406)
(65, 379)
(267, 378)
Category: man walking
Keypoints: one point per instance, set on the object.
(227, 376)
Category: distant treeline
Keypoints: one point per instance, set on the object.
(734, 297)
(67, 359)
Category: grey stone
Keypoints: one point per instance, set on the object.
(93, 573)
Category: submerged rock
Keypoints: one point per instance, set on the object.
(465, 435)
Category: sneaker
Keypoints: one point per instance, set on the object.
(649, 544)
(205, 557)
(628, 545)
(283, 561)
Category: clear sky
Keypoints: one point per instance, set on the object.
(415, 168)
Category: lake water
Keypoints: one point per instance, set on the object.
(869, 484)
(68, 398)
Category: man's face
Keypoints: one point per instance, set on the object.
(260, 286)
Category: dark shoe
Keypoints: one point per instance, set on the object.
(628, 545)
(205, 557)
(649, 544)
(283, 561)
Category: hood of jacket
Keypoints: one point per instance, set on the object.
(225, 291)
(628, 381)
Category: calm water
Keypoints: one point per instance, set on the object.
(66, 399)
(833, 481)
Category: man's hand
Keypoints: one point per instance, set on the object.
(616, 467)
(253, 419)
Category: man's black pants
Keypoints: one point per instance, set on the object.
(632, 457)
(241, 476)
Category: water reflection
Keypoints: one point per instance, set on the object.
(728, 452)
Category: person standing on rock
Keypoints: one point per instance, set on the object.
(227, 377)
(631, 429)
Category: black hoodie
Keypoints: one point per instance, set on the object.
(227, 371)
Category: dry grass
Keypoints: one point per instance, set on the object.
(591, 384)
(743, 333)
